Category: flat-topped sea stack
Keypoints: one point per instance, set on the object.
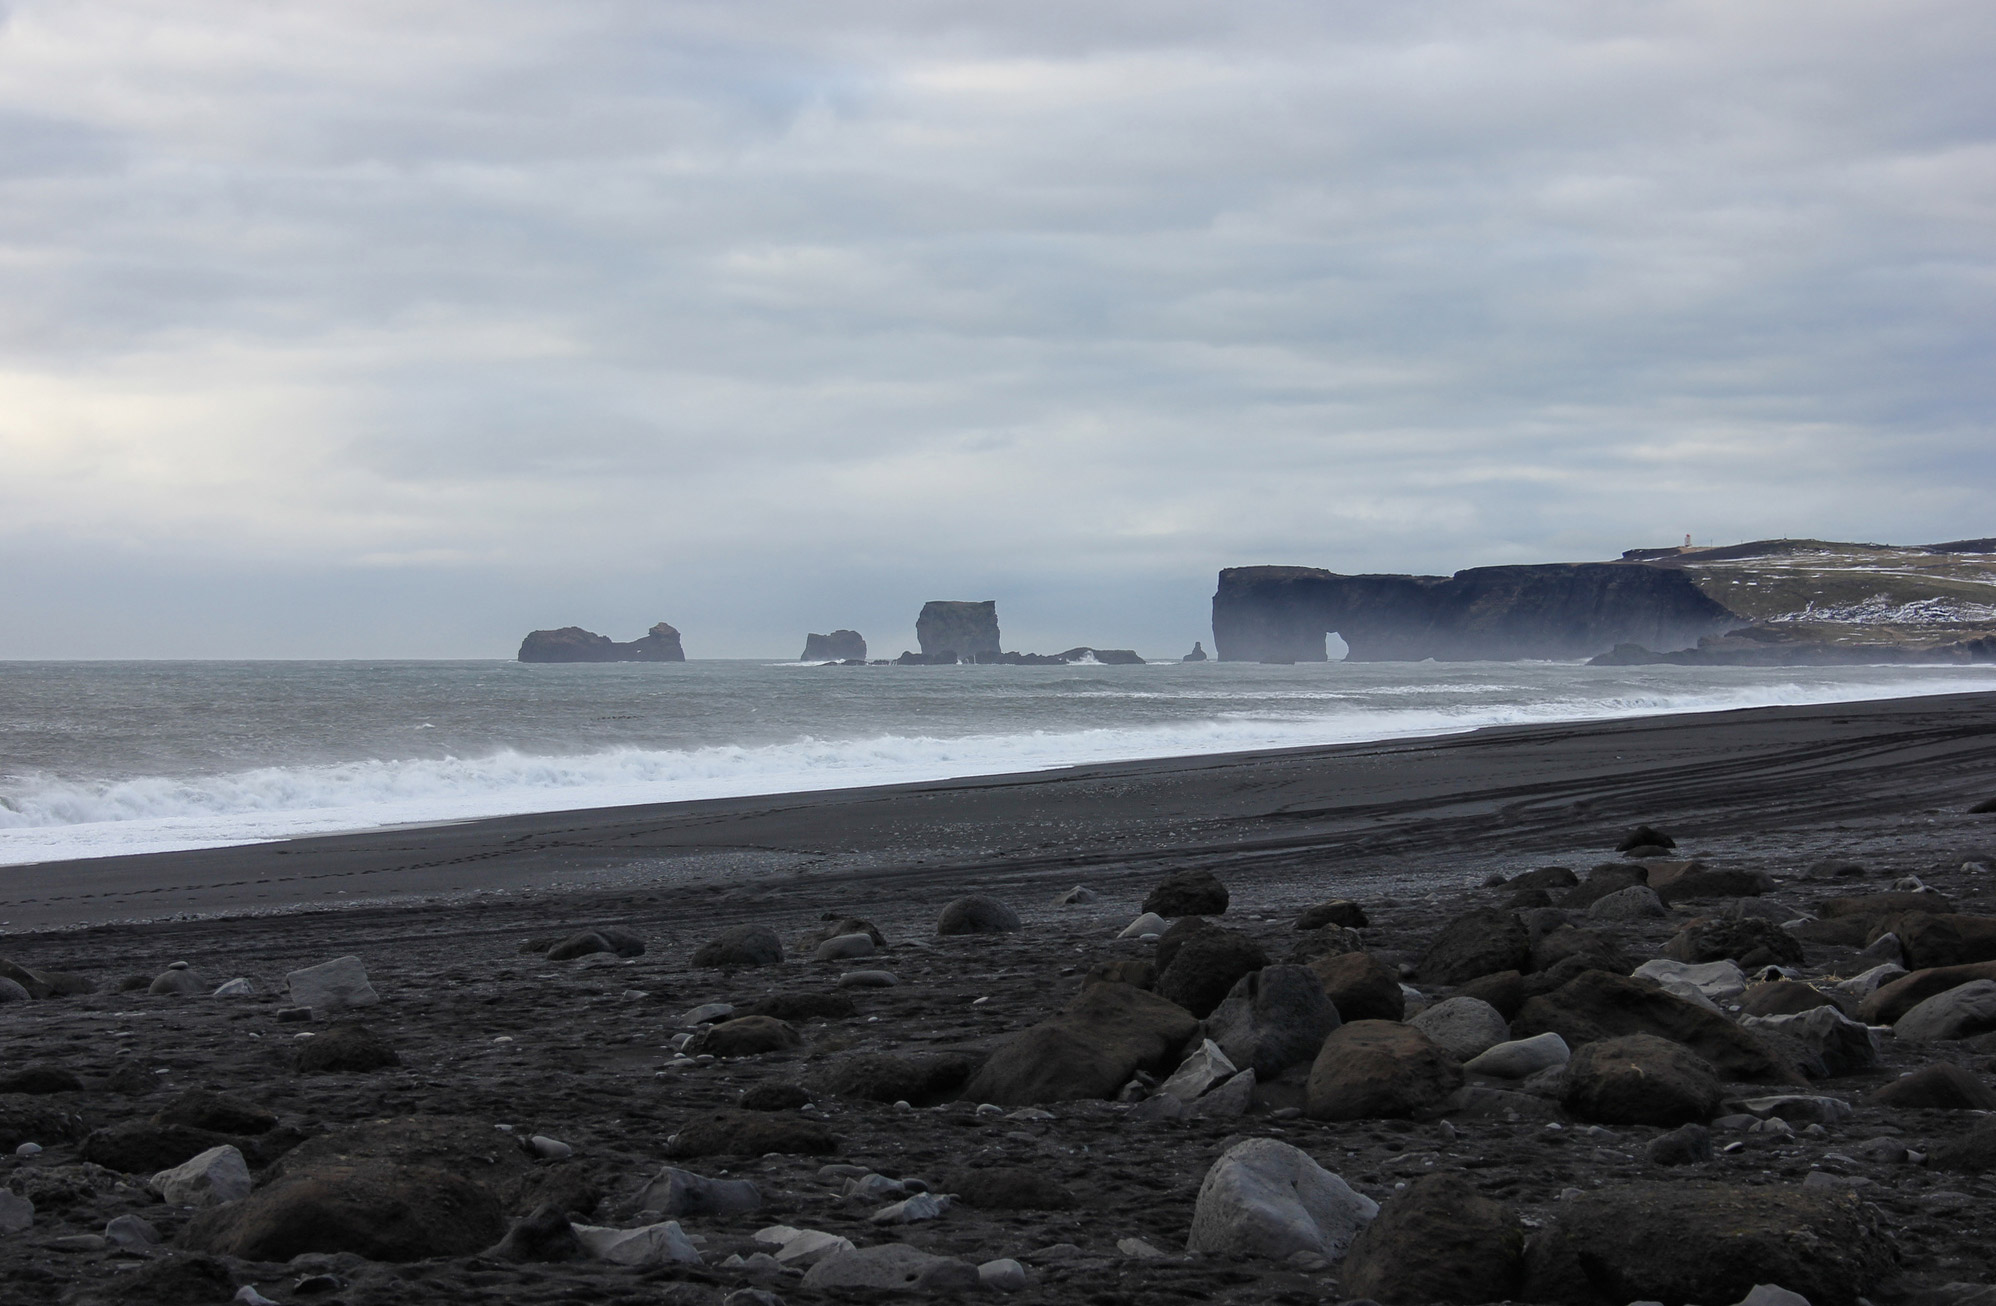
(968, 631)
(574, 644)
(1557, 611)
(839, 646)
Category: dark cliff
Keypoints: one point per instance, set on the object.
(1555, 611)
(967, 630)
(574, 644)
(839, 646)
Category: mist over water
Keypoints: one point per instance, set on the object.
(98, 759)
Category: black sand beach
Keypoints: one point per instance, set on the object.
(452, 924)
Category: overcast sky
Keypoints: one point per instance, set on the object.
(400, 328)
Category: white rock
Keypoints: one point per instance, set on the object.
(891, 1266)
(1074, 897)
(1768, 1294)
(1637, 902)
(17, 1213)
(217, 1175)
(681, 1192)
(1003, 1275)
(235, 988)
(651, 1245)
(1466, 1027)
(249, 1296)
(1138, 1250)
(331, 986)
(1198, 1072)
(1148, 923)
(844, 948)
(1867, 983)
(808, 1247)
(1267, 1199)
(550, 1149)
(868, 979)
(1960, 1012)
(28, 1149)
(1717, 980)
(922, 1206)
(1521, 1058)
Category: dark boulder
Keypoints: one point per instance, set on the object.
(574, 644)
(1971, 1153)
(1940, 1087)
(977, 914)
(1640, 1079)
(1597, 1005)
(1106, 1035)
(1607, 878)
(1504, 990)
(736, 1132)
(1272, 1019)
(919, 1078)
(1544, 877)
(960, 628)
(1188, 893)
(142, 1147)
(1338, 911)
(1205, 969)
(1011, 1188)
(1439, 1241)
(1699, 1241)
(201, 1108)
(1876, 906)
(1786, 998)
(838, 929)
(803, 1006)
(747, 1036)
(839, 646)
(1375, 1068)
(1933, 940)
(458, 1145)
(1645, 836)
(1476, 943)
(1748, 940)
(1684, 1145)
(41, 1079)
(579, 945)
(1174, 937)
(1597, 949)
(346, 1047)
(25, 1119)
(378, 1209)
(1701, 881)
(775, 1097)
(543, 1235)
(744, 945)
(1361, 986)
(172, 1279)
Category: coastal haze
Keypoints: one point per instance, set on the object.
(401, 330)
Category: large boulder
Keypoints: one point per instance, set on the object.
(1463, 1026)
(1640, 1079)
(1698, 880)
(1829, 1042)
(1597, 1005)
(1786, 998)
(332, 986)
(381, 1210)
(1374, 1068)
(1272, 1019)
(1749, 940)
(1205, 968)
(1267, 1199)
(459, 1145)
(1504, 991)
(1635, 903)
(918, 1078)
(1886, 1003)
(1940, 1087)
(1696, 1241)
(1439, 1241)
(1932, 939)
(747, 1036)
(1578, 949)
(744, 945)
(1188, 893)
(347, 1047)
(977, 914)
(1341, 912)
(1960, 1012)
(1106, 1035)
(1609, 877)
(1361, 986)
(1476, 943)
(215, 1176)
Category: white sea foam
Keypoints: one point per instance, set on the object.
(45, 819)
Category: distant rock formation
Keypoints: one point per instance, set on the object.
(1776, 646)
(1198, 653)
(839, 646)
(574, 644)
(1555, 611)
(969, 631)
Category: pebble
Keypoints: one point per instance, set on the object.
(28, 1149)
(550, 1149)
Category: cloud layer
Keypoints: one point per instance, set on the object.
(399, 329)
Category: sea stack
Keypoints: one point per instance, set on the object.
(839, 646)
(1198, 653)
(574, 644)
(969, 631)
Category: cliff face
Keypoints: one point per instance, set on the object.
(839, 646)
(1558, 611)
(574, 644)
(966, 629)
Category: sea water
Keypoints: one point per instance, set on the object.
(105, 758)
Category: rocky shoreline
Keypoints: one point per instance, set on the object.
(1414, 1071)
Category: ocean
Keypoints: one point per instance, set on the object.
(99, 759)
